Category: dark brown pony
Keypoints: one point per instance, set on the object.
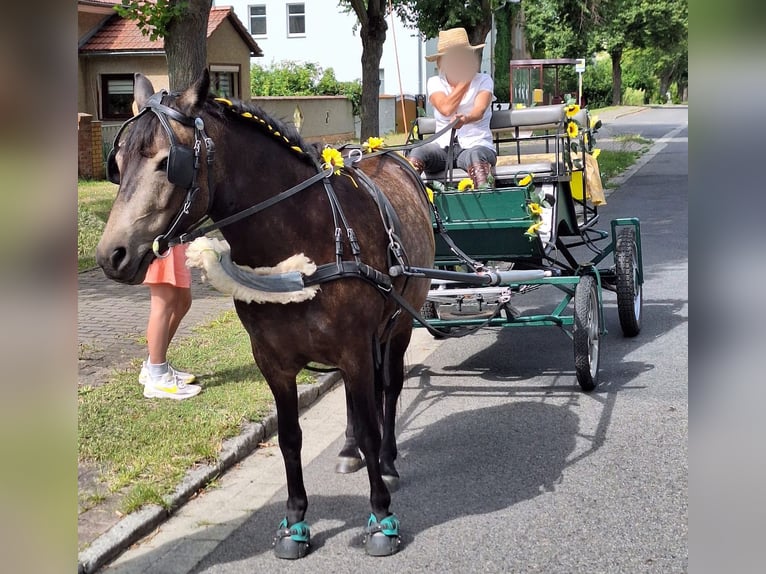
(349, 322)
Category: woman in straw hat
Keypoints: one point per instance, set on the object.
(459, 92)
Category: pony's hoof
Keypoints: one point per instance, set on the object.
(292, 542)
(382, 538)
(348, 464)
(392, 482)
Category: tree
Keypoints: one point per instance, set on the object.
(659, 24)
(183, 26)
(371, 15)
(560, 28)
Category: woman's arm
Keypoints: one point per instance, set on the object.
(481, 103)
(448, 104)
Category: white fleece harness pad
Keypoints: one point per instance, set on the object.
(282, 283)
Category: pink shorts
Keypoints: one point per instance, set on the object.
(172, 269)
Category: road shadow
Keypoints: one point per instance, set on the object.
(528, 442)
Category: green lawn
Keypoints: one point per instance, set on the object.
(145, 446)
(94, 200)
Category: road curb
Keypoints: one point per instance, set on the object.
(135, 526)
(631, 112)
(656, 148)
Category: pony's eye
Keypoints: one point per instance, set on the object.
(163, 165)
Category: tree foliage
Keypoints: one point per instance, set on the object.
(430, 16)
(646, 29)
(152, 16)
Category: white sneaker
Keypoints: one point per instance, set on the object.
(167, 386)
(182, 377)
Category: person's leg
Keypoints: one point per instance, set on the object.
(168, 304)
(478, 162)
(429, 158)
(162, 309)
(182, 299)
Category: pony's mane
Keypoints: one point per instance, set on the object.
(252, 114)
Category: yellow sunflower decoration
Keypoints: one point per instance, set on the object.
(532, 230)
(373, 144)
(572, 130)
(465, 183)
(535, 209)
(332, 159)
(572, 110)
(526, 180)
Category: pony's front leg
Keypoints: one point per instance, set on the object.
(349, 457)
(293, 534)
(382, 535)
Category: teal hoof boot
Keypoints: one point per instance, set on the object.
(292, 542)
(382, 538)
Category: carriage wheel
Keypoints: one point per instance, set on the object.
(586, 333)
(630, 296)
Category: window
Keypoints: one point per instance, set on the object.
(382, 78)
(224, 80)
(296, 19)
(116, 96)
(258, 20)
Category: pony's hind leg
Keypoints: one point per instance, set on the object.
(393, 383)
(349, 458)
(293, 535)
(382, 536)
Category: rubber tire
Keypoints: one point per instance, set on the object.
(626, 265)
(585, 312)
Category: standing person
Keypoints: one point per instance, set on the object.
(169, 281)
(459, 92)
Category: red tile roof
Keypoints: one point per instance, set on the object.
(121, 35)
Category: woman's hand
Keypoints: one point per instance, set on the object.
(447, 104)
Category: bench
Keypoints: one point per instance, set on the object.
(548, 118)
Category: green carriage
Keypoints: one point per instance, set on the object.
(535, 226)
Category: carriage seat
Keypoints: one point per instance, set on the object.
(538, 117)
(502, 173)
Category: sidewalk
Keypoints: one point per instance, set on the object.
(111, 322)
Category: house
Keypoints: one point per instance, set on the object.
(112, 49)
(320, 31)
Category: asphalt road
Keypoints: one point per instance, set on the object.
(506, 465)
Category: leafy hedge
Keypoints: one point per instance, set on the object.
(290, 78)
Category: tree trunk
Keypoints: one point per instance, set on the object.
(186, 44)
(665, 80)
(373, 35)
(616, 55)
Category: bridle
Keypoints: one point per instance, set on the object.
(183, 162)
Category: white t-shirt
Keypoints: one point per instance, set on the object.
(473, 134)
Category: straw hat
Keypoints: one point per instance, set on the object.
(452, 38)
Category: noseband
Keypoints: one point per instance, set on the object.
(183, 162)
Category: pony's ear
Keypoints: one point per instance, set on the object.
(196, 94)
(142, 90)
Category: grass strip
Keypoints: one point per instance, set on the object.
(145, 446)
(613, 162)
(94, 201)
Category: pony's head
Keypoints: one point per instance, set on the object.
(158, 160)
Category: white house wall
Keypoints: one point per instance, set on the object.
(330, 41)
